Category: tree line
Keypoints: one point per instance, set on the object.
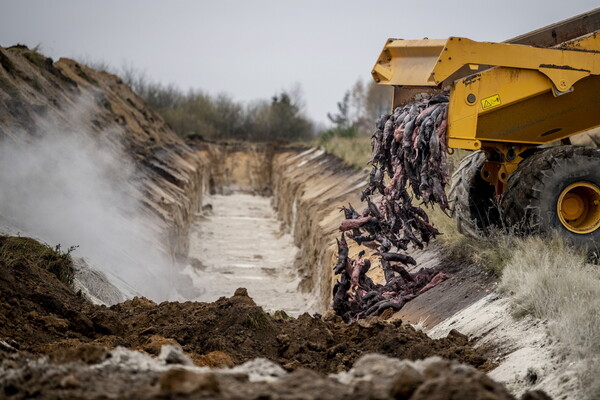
(218, 117)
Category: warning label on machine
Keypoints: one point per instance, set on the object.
(491, 102)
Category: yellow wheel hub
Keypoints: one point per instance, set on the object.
(578, 207)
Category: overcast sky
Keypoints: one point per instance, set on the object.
(253, 49)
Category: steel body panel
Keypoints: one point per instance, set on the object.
(533, 96)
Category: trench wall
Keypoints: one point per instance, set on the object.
(308, 187)
(39, 97)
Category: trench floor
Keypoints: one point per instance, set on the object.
(239, 242)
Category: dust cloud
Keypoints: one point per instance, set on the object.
(81, 189)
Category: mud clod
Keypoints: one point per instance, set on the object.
(179, 381)
(445, 380)
(405, 382)
(86, 352)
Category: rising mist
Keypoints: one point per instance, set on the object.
(81, 189)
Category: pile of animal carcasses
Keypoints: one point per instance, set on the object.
(408, 149)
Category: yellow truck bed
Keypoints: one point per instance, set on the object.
(531, 95)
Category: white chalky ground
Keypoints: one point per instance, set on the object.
(241, 244)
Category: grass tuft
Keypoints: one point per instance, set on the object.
(491, 253)
(32, 55)
(26, 250)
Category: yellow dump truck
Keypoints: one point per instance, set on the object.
(516, 105)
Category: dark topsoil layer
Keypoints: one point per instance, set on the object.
(39, 314)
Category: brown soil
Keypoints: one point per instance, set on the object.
(41, 315)
(237, 327)
(373, 377)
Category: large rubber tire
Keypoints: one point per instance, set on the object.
(472, 199)
(531, 197)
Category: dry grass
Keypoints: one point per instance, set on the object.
(491, 253)
(355, 151)
(550, 280)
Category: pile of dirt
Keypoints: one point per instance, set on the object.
(41, 315)
(35, 307)
(237, 327)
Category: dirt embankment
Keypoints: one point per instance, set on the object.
(39, 97)
(41, 315)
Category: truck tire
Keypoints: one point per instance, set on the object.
(557, 189)
(472, 199)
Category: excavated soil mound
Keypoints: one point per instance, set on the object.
(36, 308)
(239, 328)
(41, 315)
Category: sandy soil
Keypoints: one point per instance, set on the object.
(528, 359)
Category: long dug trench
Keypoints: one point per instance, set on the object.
(239, 242)
(266, 223)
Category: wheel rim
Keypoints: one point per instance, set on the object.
(578, 207)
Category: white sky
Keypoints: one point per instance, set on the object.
(253, 49)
